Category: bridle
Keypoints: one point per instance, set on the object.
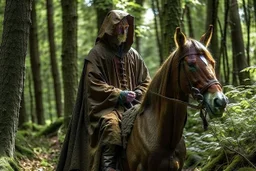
(195, 92)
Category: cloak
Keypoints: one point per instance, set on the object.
(108, 69)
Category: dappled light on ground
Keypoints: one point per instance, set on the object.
(46, 155)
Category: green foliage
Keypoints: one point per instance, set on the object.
(8, 164)
(234, 132)
(22, 146)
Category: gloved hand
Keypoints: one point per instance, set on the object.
(127, 96)
(138, 92)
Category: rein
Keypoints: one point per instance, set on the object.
(199, 106)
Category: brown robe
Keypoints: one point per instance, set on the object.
(108, 69)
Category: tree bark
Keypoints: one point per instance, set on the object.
(156, 8)
(170, 15)
(212, 11)
(239, 59)
(102, 8)
(13, 52)
(137, 23)
(189, 21)
(54, 65)
(69, 56)
(23, 114)
(31, 97)
(35, 67)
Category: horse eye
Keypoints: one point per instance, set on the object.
(192, 66)
(203, 59)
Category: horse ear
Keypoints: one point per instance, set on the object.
(206, 38)
(179, 38)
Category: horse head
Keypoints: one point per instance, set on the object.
(196, 74)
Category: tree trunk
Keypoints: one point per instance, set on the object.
(239, 59)
(69, 56)
(212, 11)
(35, 67)
(12, 70)
(137, 23)
(102, 8)
(2, 7)
(54, 65)
(32, 108)
(156, 8)
(23, 114)
(189, 20)
(170, 16)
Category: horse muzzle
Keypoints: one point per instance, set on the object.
(215, 103)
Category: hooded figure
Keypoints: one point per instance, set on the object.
(114, 78)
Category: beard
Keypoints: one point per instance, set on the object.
(121, 38)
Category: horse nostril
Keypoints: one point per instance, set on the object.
(220, 102)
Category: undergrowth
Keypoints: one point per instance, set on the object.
(234, 133)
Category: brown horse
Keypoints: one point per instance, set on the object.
(156, 142)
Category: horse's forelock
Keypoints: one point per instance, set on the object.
(200, 47)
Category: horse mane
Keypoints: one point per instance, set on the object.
(158, 84)
(161, 81)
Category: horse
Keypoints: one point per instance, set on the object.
(156, 142)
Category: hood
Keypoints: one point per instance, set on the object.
(107, 28)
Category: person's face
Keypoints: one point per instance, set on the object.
(121, 30)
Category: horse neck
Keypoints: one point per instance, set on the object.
(172, 117)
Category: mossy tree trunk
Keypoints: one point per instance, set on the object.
(35, 67)
(212, 12)
(239, 59)
(170, 19)
(13, 51)
(54, 65)
(69, 56)
(23, 114)
(102, 8)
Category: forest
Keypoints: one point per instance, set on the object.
(42, 51)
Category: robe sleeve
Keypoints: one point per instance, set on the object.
(101, 95)
(144, 78)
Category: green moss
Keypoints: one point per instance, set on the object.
(8, 164)
(192, 160)
(24, 151)
(235, 163)
(22, 146)
(217, 160)
(52, 128)
(246, 169)
(31, 126)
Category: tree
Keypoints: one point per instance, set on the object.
(54, 66)
(102, 8)
(22, 114)
(13, 51)
(139, 10)
(212, 11)
(69, 55)
(189, 20)
(239, 59)
(170, 14)
(35, 67)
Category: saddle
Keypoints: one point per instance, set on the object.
(127, 123)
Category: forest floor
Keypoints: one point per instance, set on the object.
(46, 150)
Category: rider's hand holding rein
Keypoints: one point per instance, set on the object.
(127, 96)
